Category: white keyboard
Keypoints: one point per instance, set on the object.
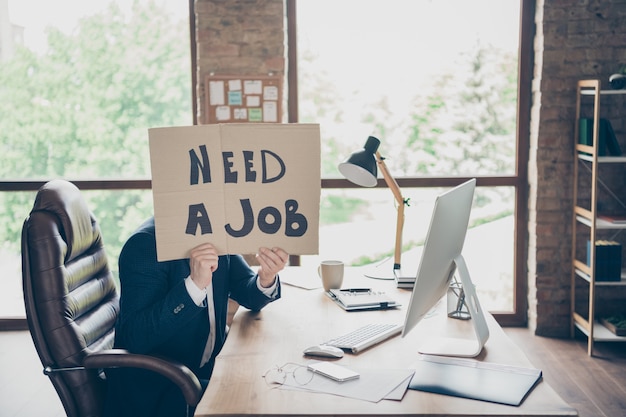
(364, 337)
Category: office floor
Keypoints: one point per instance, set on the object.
(596, 386)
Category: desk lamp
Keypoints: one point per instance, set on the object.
(361, 169)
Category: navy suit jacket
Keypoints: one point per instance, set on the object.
(158, 317)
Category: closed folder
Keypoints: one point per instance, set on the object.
(472, 379)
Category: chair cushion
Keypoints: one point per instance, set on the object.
(74, 291)
(65, 201)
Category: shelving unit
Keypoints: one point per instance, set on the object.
(588, 218)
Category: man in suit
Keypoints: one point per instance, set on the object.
(177, 309)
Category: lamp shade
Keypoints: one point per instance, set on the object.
(361, 167)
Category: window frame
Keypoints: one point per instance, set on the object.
(519, 180)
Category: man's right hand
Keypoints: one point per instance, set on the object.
(203, 261)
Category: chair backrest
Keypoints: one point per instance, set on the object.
(70, 295)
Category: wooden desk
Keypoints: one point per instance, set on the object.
(279, 333)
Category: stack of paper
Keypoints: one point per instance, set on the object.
(373, 385)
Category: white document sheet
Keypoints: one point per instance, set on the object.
(373, 385)
(301, 277)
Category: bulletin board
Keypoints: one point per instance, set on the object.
(241, 99)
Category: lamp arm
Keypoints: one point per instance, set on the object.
(391, 182)
(395, 189)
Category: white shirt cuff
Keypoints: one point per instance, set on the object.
(197, 295)
(270, 291)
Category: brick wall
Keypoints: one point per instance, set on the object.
(242, 37)
(574, 40)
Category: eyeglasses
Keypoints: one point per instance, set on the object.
(287, 374)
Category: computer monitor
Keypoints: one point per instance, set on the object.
(440, 258)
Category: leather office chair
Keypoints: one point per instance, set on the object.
(72, 303)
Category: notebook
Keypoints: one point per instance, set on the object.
(351, 299)
(503, 384)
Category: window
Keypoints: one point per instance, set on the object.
(440, 90)
(81, 84)
(60, 100)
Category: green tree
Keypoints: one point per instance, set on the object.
(468, 126)
(82, 110)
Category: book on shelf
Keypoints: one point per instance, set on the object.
(613, 218)
(612, 144)
(616, 324)
(607, 143)
(608, 260)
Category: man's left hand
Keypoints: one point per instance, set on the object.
(271, 262)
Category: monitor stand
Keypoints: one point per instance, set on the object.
(469, 348)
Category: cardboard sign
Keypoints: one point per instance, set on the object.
(237, 186)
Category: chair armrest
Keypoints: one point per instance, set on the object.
(175, 371)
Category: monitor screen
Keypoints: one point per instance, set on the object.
(440, 258)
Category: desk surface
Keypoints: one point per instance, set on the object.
(301, 318)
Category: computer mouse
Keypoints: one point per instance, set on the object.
(324, 351)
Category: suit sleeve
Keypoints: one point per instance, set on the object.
(243, 285)
(154, 304)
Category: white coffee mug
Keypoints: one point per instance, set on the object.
(331, 273)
